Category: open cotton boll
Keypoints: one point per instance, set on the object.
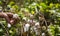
(24, 18)
(43, 34)
(15, 16)
(34, 4)
(26, 27)
(37, 23)
(9, 25)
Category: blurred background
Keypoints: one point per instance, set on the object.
(42, 13)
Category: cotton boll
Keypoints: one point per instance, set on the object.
(24, 18)
(48, 29)
(33, 4)
(10, 31)
(43, 34)
(26, 27)
(36, 31)
(15, 16)
(37, 24)
(9, 25)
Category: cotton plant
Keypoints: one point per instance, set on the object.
(34, 29)
(37, 28)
